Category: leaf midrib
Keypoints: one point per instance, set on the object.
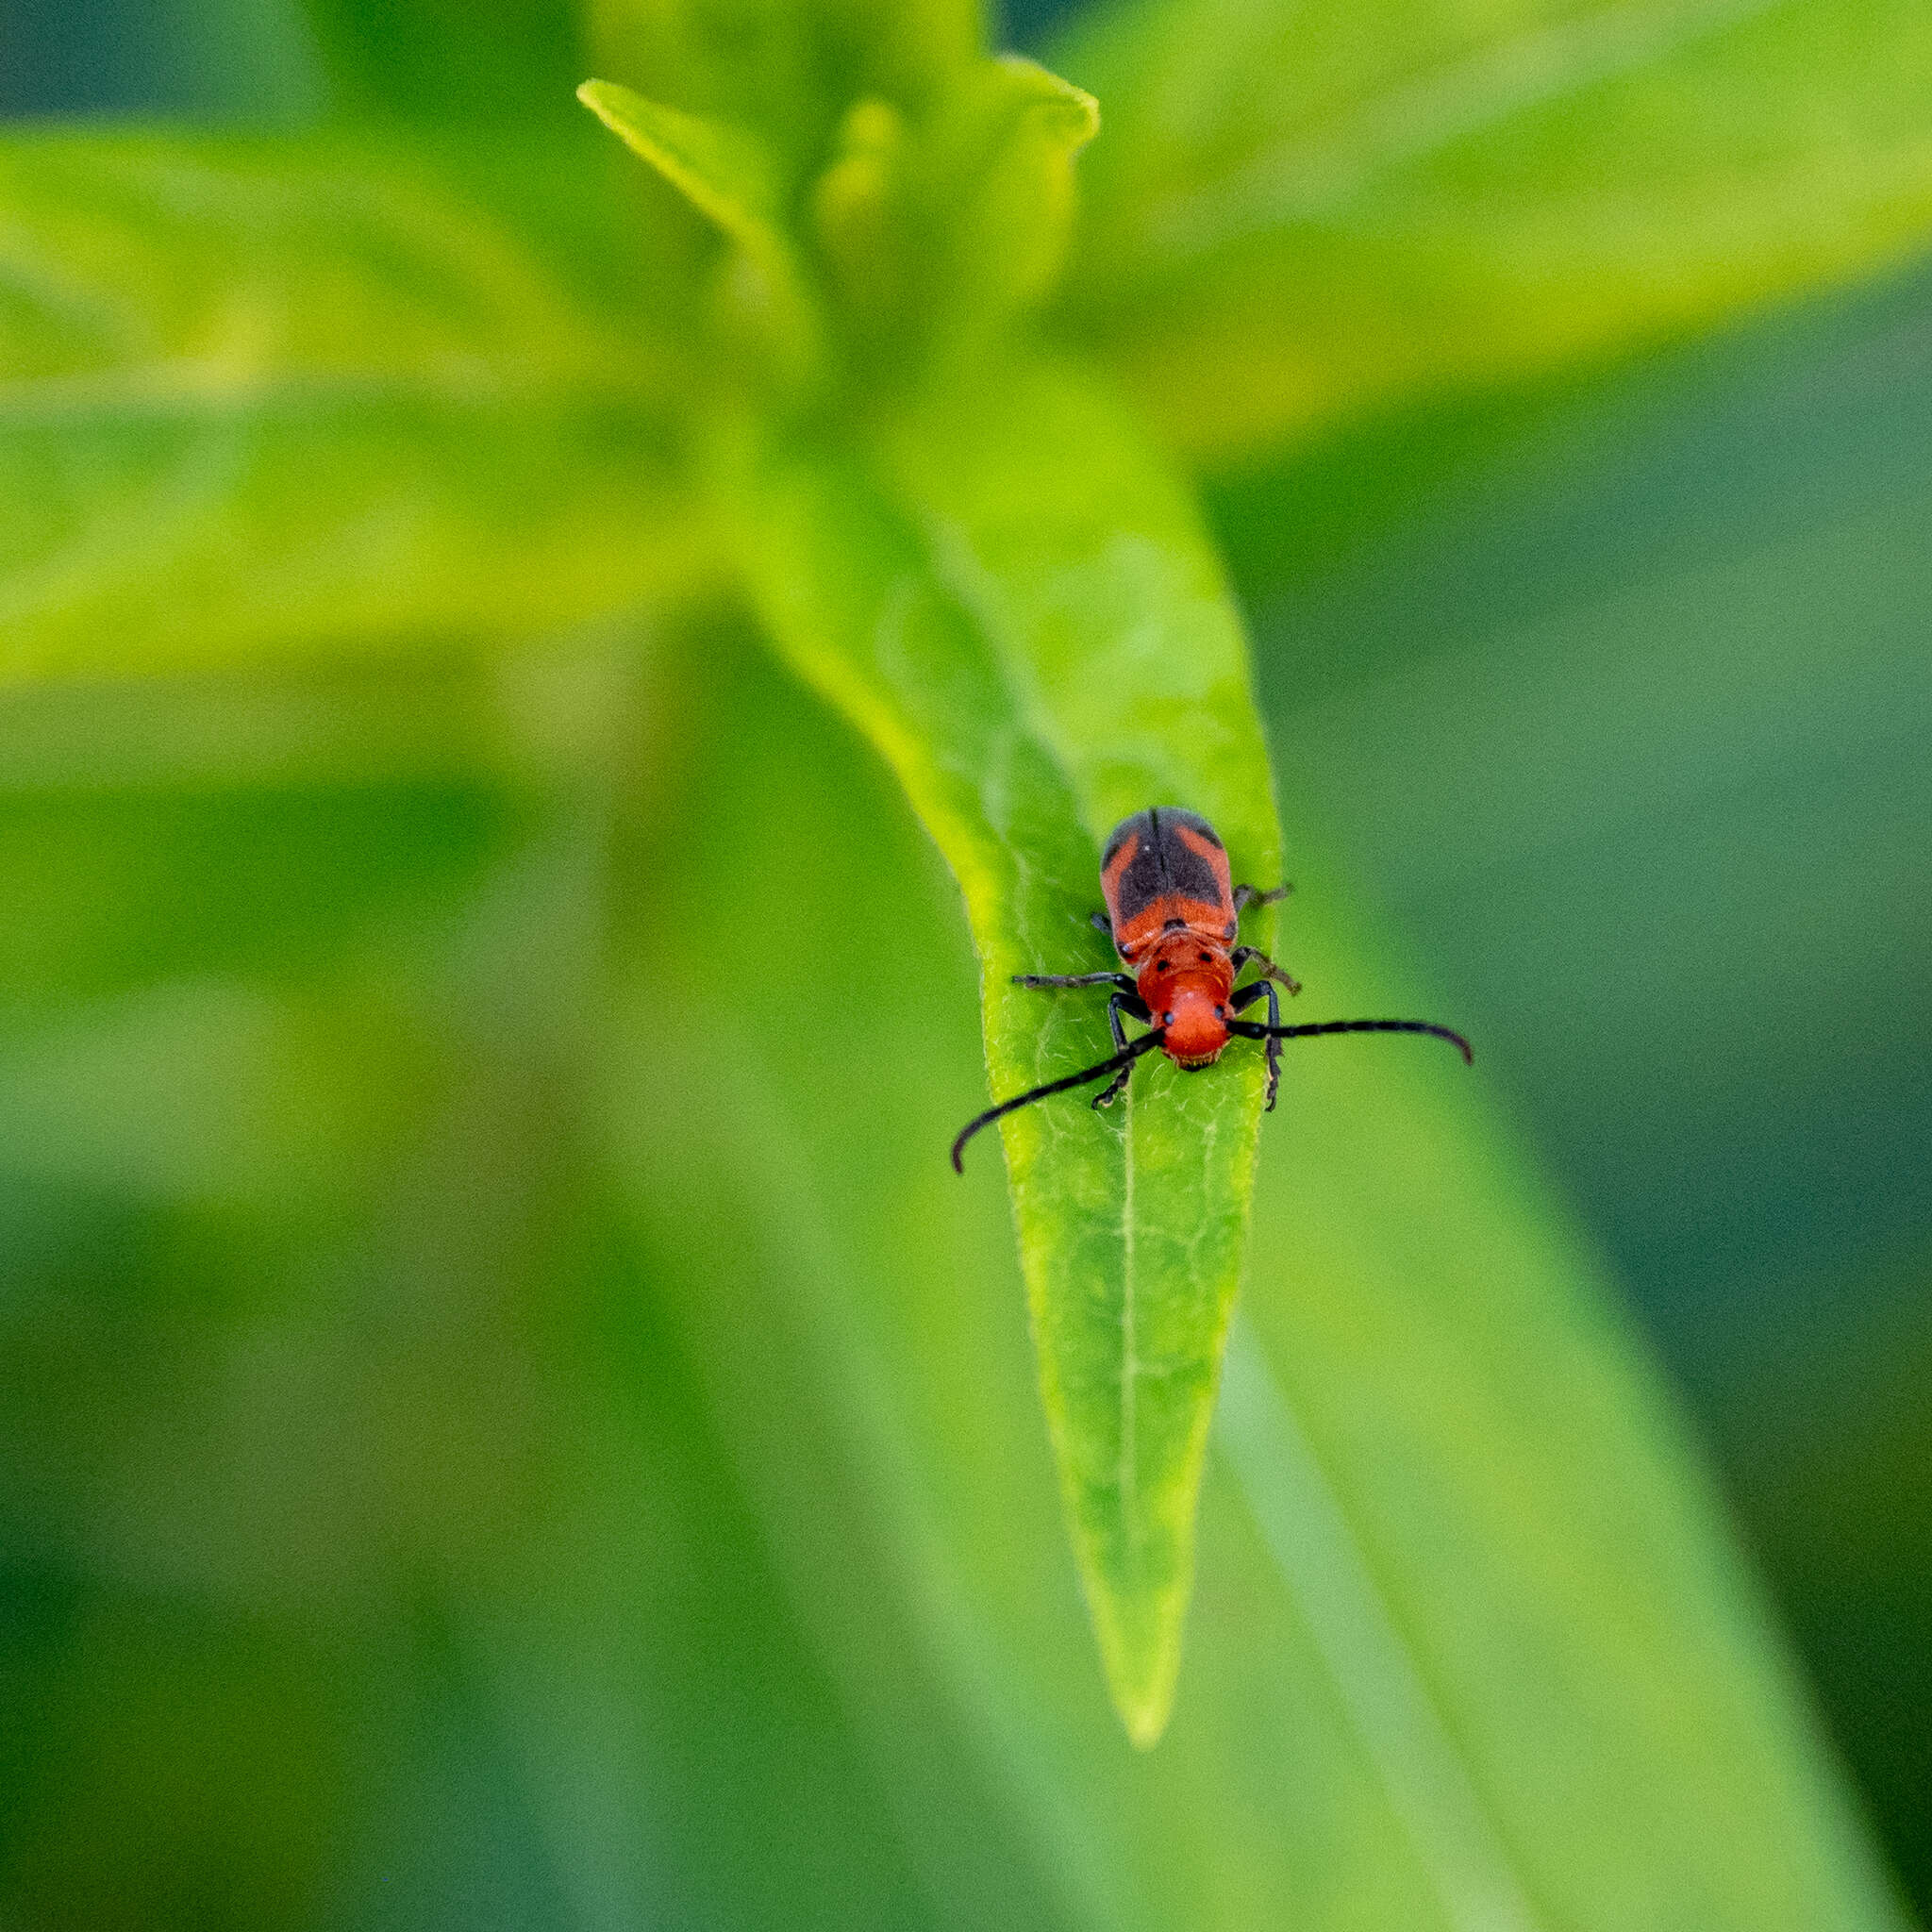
(951, 559)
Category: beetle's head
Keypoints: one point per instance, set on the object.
(1193, 1023)
(1185, 984)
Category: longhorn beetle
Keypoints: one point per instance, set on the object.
(1174, 917)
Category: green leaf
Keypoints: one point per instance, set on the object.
(266, 399)
(1298, 214)
(936, 237)
(1010, 598)
(789, 68)
(729, 177)
(1472, 1651)
(723, 171)
(1017, 129)
(1525, 1588)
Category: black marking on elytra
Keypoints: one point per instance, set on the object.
(1163, 864)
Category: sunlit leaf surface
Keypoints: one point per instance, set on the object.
(1009, 598)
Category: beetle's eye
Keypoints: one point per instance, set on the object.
(1220, 1012)
(1167, 1018)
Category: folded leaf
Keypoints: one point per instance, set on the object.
(789, 68)
(1300, 212)
(1023, 128)
(938, 236)
(259, 399)
(728, 176)
(1010, 597)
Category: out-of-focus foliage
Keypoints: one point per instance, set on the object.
(256, 402)
(1354, 205)
(1620, 697)
(506, 1416)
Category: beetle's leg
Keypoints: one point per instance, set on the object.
(1133, 1007)
(1245, 896)
(1245, 997)
(1243, 955)
(1124, 1000)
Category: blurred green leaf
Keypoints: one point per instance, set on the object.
(938, 236)
(729, 177)
(721, 169)
(1297, 215)
(1015, 131)
(789, 68)
(1535, 1608)
(1013, 600)
(262, 399)
(931, 237)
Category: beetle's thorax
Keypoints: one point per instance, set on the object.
(1186, 981)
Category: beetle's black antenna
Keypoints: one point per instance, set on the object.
(1253, 1030)
(1125, 1057)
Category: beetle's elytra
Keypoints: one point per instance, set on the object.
(1173, 915)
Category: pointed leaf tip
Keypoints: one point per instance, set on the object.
(1042, 90)
(722, 169)
(1004, 590)
(726, 172)
(1142, 1667)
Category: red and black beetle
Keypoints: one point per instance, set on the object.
(1174, 917)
